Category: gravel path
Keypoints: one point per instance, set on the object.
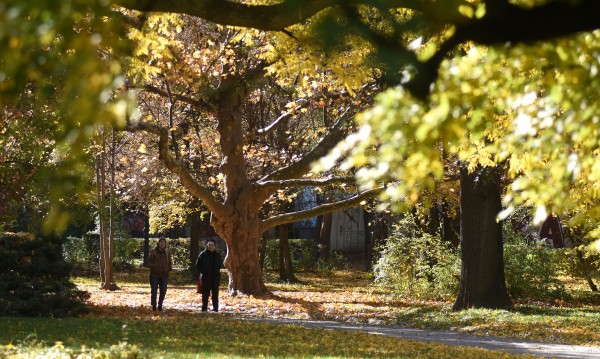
(515, 346)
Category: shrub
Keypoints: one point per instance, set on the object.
(35, 278)
(83, 253)
(179, 249)
(304, 254)
(533, 269)
(416, 264)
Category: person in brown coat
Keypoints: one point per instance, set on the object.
(159, 262)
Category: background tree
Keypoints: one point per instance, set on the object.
(49, 49)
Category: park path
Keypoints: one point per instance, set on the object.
(514, 346)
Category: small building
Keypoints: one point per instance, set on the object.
(348, 230)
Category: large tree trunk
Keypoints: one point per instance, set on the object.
(482, 282)
(242, 262)
(243, 265)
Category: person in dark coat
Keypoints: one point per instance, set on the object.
(209, 267)
(159, 262)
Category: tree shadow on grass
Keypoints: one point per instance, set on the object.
(181, 333)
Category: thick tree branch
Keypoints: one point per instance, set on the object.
(178, 168)
(274, 17)
(198, 104)
(274, 185)
(514, 24)
(319, 210)
(502, 23)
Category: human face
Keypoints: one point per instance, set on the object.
(211, 246)
(162, 244)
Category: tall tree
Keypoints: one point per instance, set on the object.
(232, 138)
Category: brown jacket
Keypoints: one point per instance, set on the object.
(159, 263)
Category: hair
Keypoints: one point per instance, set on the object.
(211, 240)
(162, 239)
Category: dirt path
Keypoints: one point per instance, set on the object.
(514, 346)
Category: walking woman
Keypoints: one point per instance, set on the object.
(159, 262)
(209, 267)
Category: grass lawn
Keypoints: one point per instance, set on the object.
(122, 323)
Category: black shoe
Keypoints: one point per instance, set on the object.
(215, 310)
(153, 308)
(204, 309)
(160, 308)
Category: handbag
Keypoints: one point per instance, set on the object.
(199, 285)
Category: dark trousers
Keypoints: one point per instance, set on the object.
(155, 283)
(214, 294)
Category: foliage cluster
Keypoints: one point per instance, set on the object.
(531, 109)
(531, 268)
(50, 114)
(33, 348)
(35, 278)
(416, 263)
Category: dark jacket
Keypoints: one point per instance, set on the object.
(159, 262)
(209, 267)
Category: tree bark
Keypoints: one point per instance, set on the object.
(241, 261)
(482, 281)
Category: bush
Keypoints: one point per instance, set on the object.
(35, 278)
(533, 269)
(416, 264)
(179, 249)
(304, 254)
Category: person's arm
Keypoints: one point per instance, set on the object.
(199, 264)
(150, 261)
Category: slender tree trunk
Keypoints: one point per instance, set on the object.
(146, 233)
(107, 236)
(101, 222)
(585, 271)
(263, 251)
(482, 281)
(286, 269)
(194, 243)
(325, 236)
(368, 218)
